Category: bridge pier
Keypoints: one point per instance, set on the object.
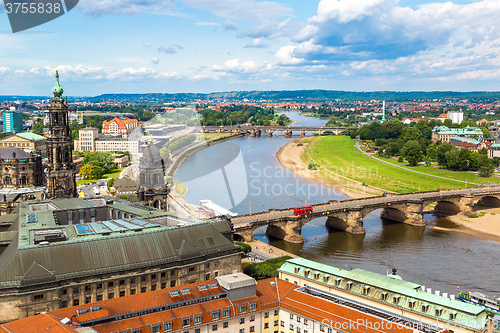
(269, 133)
(302, 133)
(408, 213)
(466, 205)
(289, 231)
(350, 221)
(246, 234)
(288, 133)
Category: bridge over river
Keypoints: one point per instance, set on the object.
(256, 131)
(348, 215)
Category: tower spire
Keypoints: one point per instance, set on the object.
(57, 90)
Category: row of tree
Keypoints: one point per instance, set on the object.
(241, 114)
(175, 144)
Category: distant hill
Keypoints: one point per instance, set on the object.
(284, 95)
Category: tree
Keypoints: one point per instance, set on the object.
(432, 152)
(86, 171)
(453, 159)
(412, 152)
(496, 161)
(486, 132)
(441, 151)
(485, 166)
(101, 163)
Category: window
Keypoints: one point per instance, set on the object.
(88, 300)
(276, 312)
(348, 285)
(64, 291)
(172, 283)
(153, 276)
(110, 284)
(266, 325)
(121, 283)
(186, 321)
(122, 293)
(167, 326)
(143, 289)
(298, 319)
(99, 286)
(316, 276)
(76, 290)
(326, 278)
(306, 321)
(424, 308)
(453, 316)
(197, 330)
(192, 269)
(99, 298)
(291, 316)
(155, 328)
(215, 315)
(225, 312)
(132, 280)
(76, 302)
(242, 320)
(266, 315)
(298, 329)
(143, 279)
(163, 274)
(366, 290)
(282, 324)
(242, 308)
(214, 327)
(291, 326)
(242, 330)
(383, 296)
(132, 291)
(153, 287)
(88, 288)
(37, 297)
(163, 285)
(296, 270)
(411, 304)
(438, 312)
(111, 295)
(321, 328)
(252, 328)
(252, 306)
(225, 324)
(137, 330)
(395, 299)
(64, 304)
(197, 319)
(252, 318)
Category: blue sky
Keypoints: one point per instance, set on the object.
(138, 46)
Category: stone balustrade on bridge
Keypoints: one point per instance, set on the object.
(256, 131)
(348, 215)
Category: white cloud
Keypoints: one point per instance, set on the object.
(249, 10)
(166, 49)
(234, 66)
(285, 56)
(229, 25)
(123, 7)
(256, 43)
(155, 60)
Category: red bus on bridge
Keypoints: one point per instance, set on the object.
(302, 210)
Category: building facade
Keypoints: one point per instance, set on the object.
(119, 126)
(153, 190)
(19, 169)
(90, 140)
(389, 293)
(27, 141)
(72, 251)
(234, 303)
(61, 171)
(456, 117)
(12, 121)
(445, 134)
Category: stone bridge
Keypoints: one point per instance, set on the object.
(348, 215)
(256, 131)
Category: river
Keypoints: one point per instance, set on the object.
(437, 259)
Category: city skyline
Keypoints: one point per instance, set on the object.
(129, 46)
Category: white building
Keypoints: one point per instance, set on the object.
(89, 140)
(456, 116)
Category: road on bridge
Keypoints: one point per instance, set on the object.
(243, 221)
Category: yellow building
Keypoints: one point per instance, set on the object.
(27, 141)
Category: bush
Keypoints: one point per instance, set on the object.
(300, 144)
(400, 159)
(266, 269)
(311, 166)
(244, 246)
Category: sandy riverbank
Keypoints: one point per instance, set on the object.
(291, 156)
(486, 225)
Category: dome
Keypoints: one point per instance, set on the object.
(57, 90)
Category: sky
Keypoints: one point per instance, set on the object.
(171, 46)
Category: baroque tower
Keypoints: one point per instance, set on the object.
(61, 171)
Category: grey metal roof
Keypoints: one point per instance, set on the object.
(235, 281)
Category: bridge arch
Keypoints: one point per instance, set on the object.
(489, 201)
(446, 207)
(394, 214)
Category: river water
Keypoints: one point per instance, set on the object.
(436, 259)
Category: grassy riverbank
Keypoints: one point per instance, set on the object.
(337, 154)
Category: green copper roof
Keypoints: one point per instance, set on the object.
(31, 136)
(57, 90)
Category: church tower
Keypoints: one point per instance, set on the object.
(152, 188)
(60, 174)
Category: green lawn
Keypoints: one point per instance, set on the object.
(459, 175)
(211, 136)
(338, 154)
(115, 173)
